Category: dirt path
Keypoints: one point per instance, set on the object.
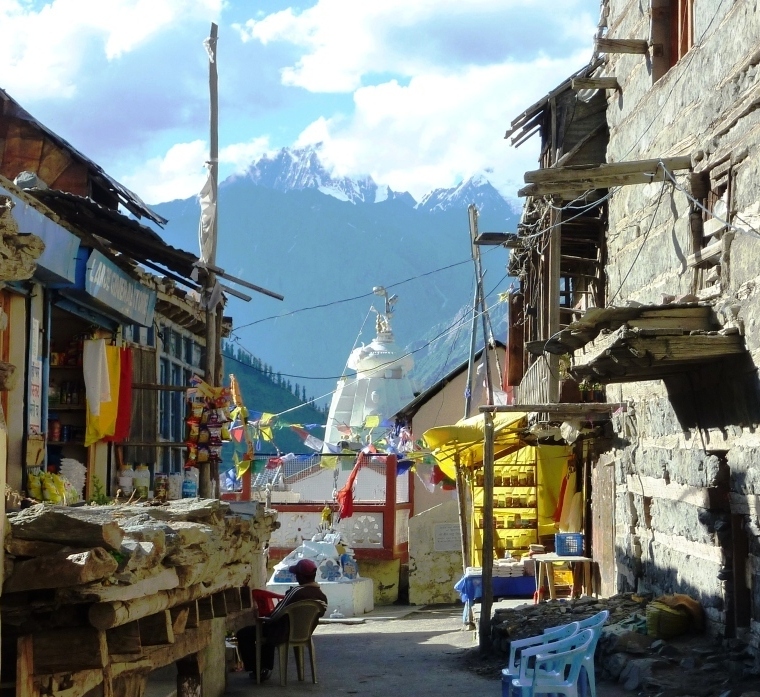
(410, 653)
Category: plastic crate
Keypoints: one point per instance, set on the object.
(568, 544)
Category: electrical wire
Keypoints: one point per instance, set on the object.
(752, 232)
(356, 297)
(643, 242)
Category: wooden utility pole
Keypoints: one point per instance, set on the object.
(213, 336)
(486, 601)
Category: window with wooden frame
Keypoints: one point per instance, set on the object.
(710, 234)
(672, 33)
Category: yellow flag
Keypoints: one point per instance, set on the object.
(265, 426)
(329, 462)
(241, 466)
(372, 421)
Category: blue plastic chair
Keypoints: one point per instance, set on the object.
(557, 667)
(519, 647)
(595, 624)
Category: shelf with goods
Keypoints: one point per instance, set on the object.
(66, 403)
(515, 510)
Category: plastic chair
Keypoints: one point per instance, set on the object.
(557, 668)
(303, 617)
(595, 624)
(518, 647)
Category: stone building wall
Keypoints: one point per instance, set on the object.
(691, 444)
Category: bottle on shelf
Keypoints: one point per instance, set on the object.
(54, 393)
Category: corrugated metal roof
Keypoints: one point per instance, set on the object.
(126, 235)
(528, 119)
(133, 203)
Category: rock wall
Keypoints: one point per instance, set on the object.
(687, 460)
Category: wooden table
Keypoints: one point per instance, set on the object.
(544, 571)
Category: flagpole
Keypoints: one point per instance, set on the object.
(213, 348)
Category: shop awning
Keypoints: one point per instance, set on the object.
(464, 440)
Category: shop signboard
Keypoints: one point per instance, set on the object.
(115, 289)
(57, 263)
(35, 382)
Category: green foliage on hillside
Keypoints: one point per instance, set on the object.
(265, 390)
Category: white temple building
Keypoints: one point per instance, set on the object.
(378, 390)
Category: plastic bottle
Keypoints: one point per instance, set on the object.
(142, 481)
(190, 484)
(126, 480)
(54, 393)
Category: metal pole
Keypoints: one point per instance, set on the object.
(473, 339)
(213, 340)
(481, 300)
(486, 601)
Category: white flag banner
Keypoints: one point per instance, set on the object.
(206, 232)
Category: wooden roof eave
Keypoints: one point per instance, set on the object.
(653, 354)
(572, 178)
(527, 115)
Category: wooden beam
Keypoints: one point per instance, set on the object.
(66, 650)
(246, 599)
(72, 684)
(595, 83)
(164, 580)
(219, 604)
(111, 614)
(232, 600)
(25, 667)
(192, 617)
(65, 568)
(570, 191)
(562, 408)
(574, 173)
(156, 630)
(707, 255)
(640, 46)
(179, 616)
(205, 609)
(124, 639)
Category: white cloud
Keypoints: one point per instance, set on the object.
(44, 50)
(440, 127)
(239, 156)
(180, 173)
(344, 40)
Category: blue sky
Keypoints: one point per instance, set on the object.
(416, 93)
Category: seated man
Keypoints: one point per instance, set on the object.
(275, 629)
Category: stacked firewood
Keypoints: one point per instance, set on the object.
(129, 561)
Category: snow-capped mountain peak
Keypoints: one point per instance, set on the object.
(477, 189)
(302, 168)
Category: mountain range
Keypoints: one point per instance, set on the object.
(323, 241)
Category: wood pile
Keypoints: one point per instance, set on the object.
(124, 584)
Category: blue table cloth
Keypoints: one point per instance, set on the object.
(470, 589)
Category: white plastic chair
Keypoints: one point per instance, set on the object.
(519, 647)
(595, 624)
(557, 668)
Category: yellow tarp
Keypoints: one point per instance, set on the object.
(465, 438)
(552, 469)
